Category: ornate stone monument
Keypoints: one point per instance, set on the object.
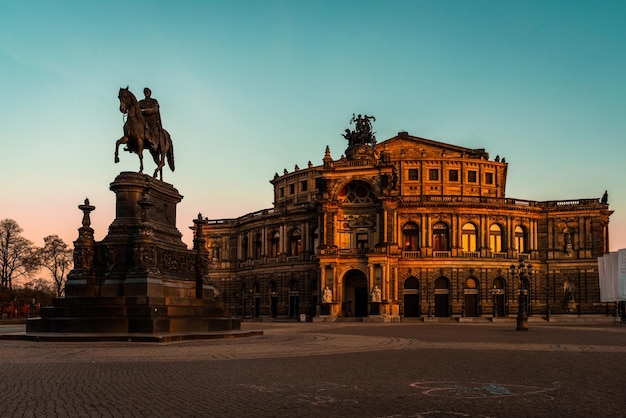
(361, 140)
(140, 278)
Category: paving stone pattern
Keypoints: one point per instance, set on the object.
(327, 370)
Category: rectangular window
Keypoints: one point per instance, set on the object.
(361, 240)
(471, 176)
(281, 192)
(489, 178)
(292, 188)
(304, 185)
(413, 174)
(433, 174)
(453, 175)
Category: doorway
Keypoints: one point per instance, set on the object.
(470, 298)
(355, 294)
(411, 298)
(499, 297)
(442, 297)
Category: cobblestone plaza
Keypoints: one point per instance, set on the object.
(342, 369)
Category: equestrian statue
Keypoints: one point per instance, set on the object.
(143, 130)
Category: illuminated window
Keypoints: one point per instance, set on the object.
(410, 235)
(468, 237)
(441, 237)
(520, 239)
(295, 242)
(495, 238)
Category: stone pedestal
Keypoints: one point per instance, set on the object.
(140, 278)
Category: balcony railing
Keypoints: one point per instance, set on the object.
(471, 254)
(441, 254)
(411, 254)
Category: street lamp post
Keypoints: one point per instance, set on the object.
(523, 271)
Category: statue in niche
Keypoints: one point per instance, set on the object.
(376, 295)
(567, 237)
(327, 295)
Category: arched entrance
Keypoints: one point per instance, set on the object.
(294, 299)
(442, 297)
(499, 292)
(411, 297)
(355, 296)
(470, 295)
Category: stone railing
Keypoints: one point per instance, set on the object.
(471, 254)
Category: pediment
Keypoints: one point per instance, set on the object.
(405, 146)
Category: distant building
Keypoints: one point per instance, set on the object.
(422, 226)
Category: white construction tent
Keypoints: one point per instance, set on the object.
(612, 272)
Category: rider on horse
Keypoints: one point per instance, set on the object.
(150, 111)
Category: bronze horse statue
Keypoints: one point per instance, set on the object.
(138, 136)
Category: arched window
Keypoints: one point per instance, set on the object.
(470, 283)
(295, 242)
(272, 287)
(498, 283)
(495, 239)
(244, 247)
(275, 245)
(468, 237)
(410, 235)
(357, 192)
(441, 237)
(520, 239)
(411, 283)
(258, 246)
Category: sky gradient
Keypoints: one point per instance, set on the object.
(248, 89)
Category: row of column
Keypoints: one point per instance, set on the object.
(267, 233)
(426, 223)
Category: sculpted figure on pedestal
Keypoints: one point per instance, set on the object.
(143, 130)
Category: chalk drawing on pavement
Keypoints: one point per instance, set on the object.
(470, 390)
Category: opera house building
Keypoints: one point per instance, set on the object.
(407, 228)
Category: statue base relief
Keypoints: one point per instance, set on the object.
(141, 278)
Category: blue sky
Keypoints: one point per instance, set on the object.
(249, 88)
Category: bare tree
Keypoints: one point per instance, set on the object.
(56, 256)
(17, 254)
